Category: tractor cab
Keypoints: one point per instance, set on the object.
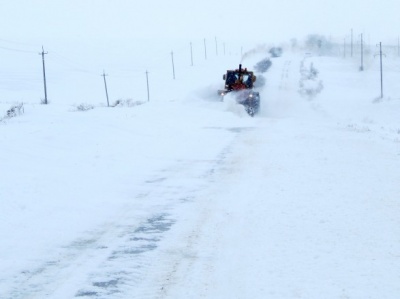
(239, 79)
(242, 80)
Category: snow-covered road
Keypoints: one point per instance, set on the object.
(325, 228)
(191, 198)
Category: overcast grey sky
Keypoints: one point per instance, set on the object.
(262, 20)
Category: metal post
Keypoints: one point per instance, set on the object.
(148, 90)
(44, 76)
(105, 85)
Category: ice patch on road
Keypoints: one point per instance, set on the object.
(131, 255)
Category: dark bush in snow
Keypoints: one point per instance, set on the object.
(84, 107)
(127, 103)
(309, 84)
(14, 111)
(276, 51)
(310, 73)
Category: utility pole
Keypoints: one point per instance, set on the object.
(173, 66)
(44, 76)
(205, 49)
(398, 46)
(380, 55)
(351, 47)
(362, 65)
(148, 90)
(191, 53)
(105, 85)
(344, 48)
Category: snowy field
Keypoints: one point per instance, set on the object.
(185, 196)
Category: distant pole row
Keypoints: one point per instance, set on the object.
(104, 75)
(173, 68)
(191, 54)
(381, 54)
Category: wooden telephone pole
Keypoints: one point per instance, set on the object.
(44, 75)
(148, 90)
(380, 55)
(205, 49)
(362, 57)
(105, 85)
(173, 65)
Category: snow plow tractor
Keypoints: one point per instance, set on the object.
(240, 82)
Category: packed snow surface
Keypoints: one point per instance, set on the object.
(186, 196)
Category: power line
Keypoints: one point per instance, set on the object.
(17, 50)
(76, 66)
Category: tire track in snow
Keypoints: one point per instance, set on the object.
(114, 260)
(284, 83)
(123, 244)
(132, 255)
(188, 256)
(118, 285)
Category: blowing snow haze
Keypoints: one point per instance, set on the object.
(185, 195)
(83, 38)
(42, 20)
